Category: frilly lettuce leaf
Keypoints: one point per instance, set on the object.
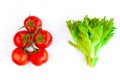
(90, 35)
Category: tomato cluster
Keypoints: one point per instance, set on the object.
(34, 36)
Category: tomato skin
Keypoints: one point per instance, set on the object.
(31, 23)
(39, 57)
(42, 39)
(19, 57)
(22, 39)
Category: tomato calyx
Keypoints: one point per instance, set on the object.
(31, 23)
(26, 37)
(22, 39)
(40, 38)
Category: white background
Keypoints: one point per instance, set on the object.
(65, 62)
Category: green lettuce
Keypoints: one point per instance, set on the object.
(89, 35)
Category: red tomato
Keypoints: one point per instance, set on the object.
(39, 57)
(19, 56)
(22, 39)
(42, 39)
(31, 23)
